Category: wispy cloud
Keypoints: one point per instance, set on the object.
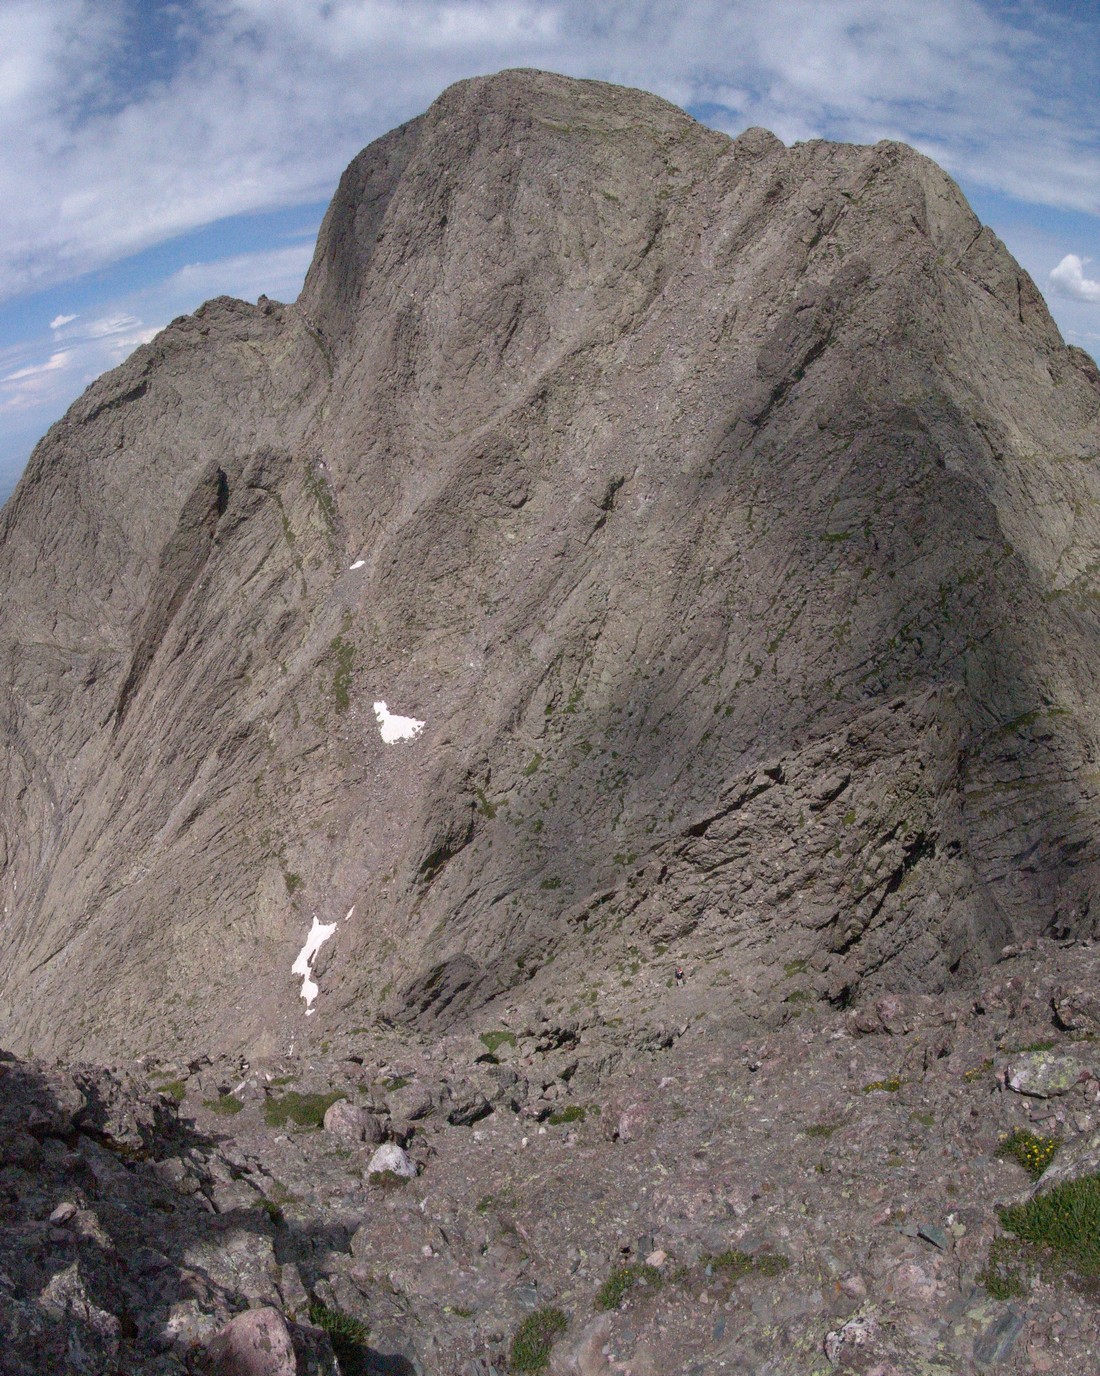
(260, 103)
(43, 374)
(1068, 279)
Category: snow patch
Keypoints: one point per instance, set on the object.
(357, 565)
(393, 729)
(319, 933)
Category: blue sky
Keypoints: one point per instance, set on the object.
(159, 152)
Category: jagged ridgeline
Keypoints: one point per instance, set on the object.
(633, 538)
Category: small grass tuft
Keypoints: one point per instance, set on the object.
(347, 1335)
(535, 1337)
(1033, 1152)
(890, 1085)
(493, 1041)
(622, 1280)
(735, 1263)
(305, 1110)
(572, 1113)
(978, 1072)
(1005, 1274)
(225, 1104)
(175, 1089)
(272, 1208)
(1065, 1223)
(387, 1180)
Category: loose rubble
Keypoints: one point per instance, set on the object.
(812, 1192)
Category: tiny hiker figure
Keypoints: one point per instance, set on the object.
(679, 976)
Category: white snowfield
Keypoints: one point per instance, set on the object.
(319, 933)
(393, 729)
(357, 565)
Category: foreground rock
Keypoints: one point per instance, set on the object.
(791, 1198)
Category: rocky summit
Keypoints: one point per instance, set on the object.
(562, 769)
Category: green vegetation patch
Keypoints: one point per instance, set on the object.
(493, 1041)
(175, 1089)
(890, 1085)
(1007, 1272)
(823, 1130)
(224, 1103)
(978, 1072)
(347, 1335)
(622, 1280)
(535, 1337)
(387, 1180)
(572, 1113)
(306, 1110)
(272, 1208)
(1032, 1151)
(736, 1264)
(1064, 1223)
(344, 652)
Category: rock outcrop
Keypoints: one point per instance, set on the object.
(632, 539)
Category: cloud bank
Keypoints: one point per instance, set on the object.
(125, 122)
(1068, 279)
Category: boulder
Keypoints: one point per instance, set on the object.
(350, 1123)
(1043, 1075)
(255, 1343)
(390, 1157)
(1077, 1009)
(410, 1103)
(1076, 1158)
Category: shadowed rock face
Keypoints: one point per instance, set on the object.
(727, 513)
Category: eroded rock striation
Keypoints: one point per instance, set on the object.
(633, 540)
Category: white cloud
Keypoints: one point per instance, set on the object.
(119, 323)
(38, 378)
(28, 386)
(278, 273)
(264, 101)
(1068, 279)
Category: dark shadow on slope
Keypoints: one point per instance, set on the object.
(112, 1252)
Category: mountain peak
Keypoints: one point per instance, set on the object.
(720, 514)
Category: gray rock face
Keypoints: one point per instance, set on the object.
(727, 514)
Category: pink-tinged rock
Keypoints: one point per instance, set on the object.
(1078, 1009)
(623, 1120)
(255, 1343)
(860, 1331)
(888, 1014)
(351, 1123)
(583, 1355)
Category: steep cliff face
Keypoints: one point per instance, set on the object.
(727, 513)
